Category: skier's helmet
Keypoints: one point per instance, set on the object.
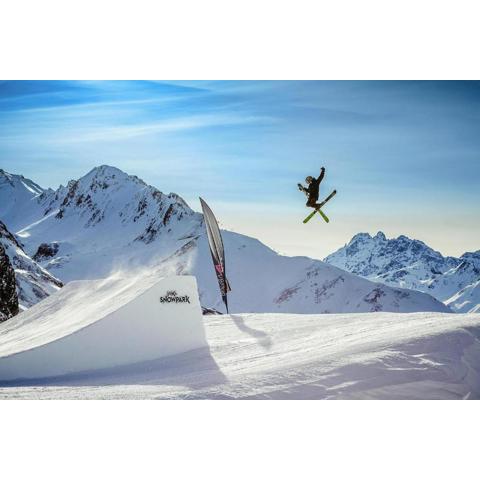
(309, 179)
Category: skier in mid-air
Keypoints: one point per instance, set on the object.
(312, 192)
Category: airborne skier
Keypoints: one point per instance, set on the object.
(313, 188)
(312, 192)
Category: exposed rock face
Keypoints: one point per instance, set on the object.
(45, 251)
(33, 283)
(8, 291)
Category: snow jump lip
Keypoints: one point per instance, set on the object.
(90, 325)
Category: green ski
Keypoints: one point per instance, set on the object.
(318, 209)
(313, 213)
(328, 198)
(323, 215)
(310, 216)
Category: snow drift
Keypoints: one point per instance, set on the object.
(97, 324)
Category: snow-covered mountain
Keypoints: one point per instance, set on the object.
(33, 282)
(109, 221)
(19, 200)
(467, 300)
(104, 221)
(407, 263)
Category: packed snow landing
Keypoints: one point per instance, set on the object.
(288, 356)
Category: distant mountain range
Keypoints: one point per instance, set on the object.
(403, 262)
(110, 222)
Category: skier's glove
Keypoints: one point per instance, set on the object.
(300, 187)
(322, 169)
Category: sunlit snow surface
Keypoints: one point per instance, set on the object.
(281, 356)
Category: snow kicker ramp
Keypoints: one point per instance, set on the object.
(94, 324)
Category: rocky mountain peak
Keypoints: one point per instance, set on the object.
(360, 237)
(108, 192)
(106, 176)
(121, 208)
(407, 263)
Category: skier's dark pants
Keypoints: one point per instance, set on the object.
(312, 202)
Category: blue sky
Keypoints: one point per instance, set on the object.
(404, 156)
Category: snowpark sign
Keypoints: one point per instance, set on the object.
(172, 297)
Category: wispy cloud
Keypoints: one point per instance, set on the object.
(389, 147)
(192, 122)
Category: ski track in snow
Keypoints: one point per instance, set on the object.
(286, 356)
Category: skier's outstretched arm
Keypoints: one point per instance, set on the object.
(302, 188)
(322, 174)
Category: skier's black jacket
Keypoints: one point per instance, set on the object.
(313, 188)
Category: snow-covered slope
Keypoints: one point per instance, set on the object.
(19, 200)
(472, 257)
(285, 356)
(466, 300)
(264, 281)
(410, 264)
(34, 283)
(108, 221)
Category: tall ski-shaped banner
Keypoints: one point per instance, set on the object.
(216, 249)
